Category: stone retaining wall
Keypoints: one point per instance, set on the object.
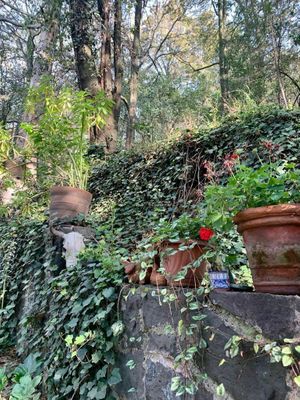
(246, 377)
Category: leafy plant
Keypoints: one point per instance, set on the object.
(30, 366)
(273, 183)
(284, 351)
(5, 146)
(9, 152)
(79, 336)
(3, 379)
(26, 388)
(142, 188)
(59, 139)
(184, 227)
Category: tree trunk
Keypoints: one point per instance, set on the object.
(281, 95)
(80, 21)
(135, 67)
(110, 131)
(118, 65)
(82, 37)
(223, 66)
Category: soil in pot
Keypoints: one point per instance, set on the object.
(174, 263)
(272, 239)
(68, 202)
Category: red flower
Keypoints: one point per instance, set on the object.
(210, 170)
(232, 156)
(270, 146)
(230, 160)
(267, 144)
(206, 233)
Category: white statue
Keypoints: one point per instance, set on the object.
(73, 245)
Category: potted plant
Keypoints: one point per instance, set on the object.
(264, 204)
(59, 140)
(180, 244)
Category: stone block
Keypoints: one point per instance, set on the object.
(277, 316)
(250, 377)
(163, 343)
(158, 384)
(132, 385)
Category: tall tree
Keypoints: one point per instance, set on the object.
(134, 73)
(109, 76)
(118, 63)
(221, 11)
(107, 65)
(82, 37)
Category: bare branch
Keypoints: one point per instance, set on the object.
(292, 79)
(13, 8)
(193, 68)
(18, 25)
(167, 34)
(125, 102)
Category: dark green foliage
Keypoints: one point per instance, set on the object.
(68, 315)
(21, 251)
(145, 187)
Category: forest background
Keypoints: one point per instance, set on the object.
(168, 65)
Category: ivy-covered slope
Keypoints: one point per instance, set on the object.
(140, 187)
(69, 312)
(61, 318)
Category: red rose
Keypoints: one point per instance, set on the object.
(206, 233)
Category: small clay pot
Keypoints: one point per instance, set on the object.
(133, 269)
(68, 202)
(272, 239)
(16, 168)
(174, 263)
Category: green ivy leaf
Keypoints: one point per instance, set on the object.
(287, 360)
(220, 390)
(286, 350)
(297, 380)
(115, 377)
(297, 348)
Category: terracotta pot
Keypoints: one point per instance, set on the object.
(176, 262)
(156, 278)
(272, 239)
(16, 168)
(66, 201)
(133, 269)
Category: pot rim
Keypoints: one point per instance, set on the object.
(66, 188)
(166, 242)
(287, 209)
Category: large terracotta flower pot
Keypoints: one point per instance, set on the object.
(272, 239)
(174, 263)
(68, 202)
